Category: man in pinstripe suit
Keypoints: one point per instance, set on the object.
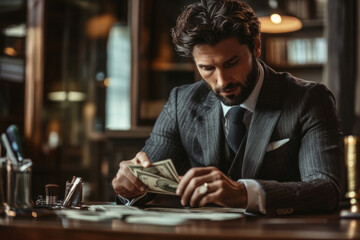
(291, 159)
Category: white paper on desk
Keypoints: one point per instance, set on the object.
(173, 214)
(121, 209)
(214, 214)
(83, 215)
(198, 210)
(202, 216)
(100, 212)
(156, 220)
(157, 216)
(173, 219)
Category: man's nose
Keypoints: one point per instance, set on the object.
(222, 79)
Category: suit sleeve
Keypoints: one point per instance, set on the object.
(320, 160)
(165, 141)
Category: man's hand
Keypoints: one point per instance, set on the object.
(125, 183)
(220, 189)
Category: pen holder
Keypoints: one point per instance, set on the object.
(352, 160)
(18, 183)
(73, 192)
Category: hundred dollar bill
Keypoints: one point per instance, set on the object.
(163, 168)
(157, 184)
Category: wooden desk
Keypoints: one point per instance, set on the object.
(294, 227)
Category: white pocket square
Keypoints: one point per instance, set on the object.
(276, 144)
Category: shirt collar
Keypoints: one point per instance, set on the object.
(250, 103)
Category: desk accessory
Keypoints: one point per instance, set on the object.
(352, 161)
(73, 192)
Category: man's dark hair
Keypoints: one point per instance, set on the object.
(209, 22)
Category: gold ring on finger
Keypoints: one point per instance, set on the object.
(203, 188)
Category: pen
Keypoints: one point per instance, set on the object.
(25, 166)
(12, 133)
(9, 151)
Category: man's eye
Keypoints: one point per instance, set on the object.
(232, 62)
(207, 68)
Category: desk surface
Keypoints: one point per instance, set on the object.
(248, 227)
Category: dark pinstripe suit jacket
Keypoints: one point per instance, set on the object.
(304, 175)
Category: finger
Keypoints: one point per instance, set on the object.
(126, 189)
(215, 194)
(143, 159)
(210, 198)
(189, 175)
(226, 194)
(199, 193)
(124, 174)
(194, 184)
(126, 183)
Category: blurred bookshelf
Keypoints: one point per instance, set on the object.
(12, 69)
(160, 69)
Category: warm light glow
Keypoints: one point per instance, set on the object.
(10, 51)
(354, 209)
(271, 24)
(11, 213)
(106, 82)
(351, 194)
(57, 96)
(76, 96)
(275, 18)
(53, 139)
(15, 31)
(99, 26)
(353, 226)
(70, 96)
(351, 140)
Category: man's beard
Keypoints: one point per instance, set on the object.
(246, 89)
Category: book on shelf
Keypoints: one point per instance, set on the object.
(296, 51)
(12, 69)
(306, 9)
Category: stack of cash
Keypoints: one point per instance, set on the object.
(161, 177)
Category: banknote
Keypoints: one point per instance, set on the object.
(161, 177)
(157, 184)
(164, 168)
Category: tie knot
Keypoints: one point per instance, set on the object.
(236, 114)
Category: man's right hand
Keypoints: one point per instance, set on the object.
(125, 183)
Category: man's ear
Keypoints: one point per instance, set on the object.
(257, 47)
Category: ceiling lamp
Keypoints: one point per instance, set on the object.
(66, 91)
(275, 20)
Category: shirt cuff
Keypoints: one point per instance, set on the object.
(256, 196)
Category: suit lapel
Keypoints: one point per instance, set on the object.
(265, 117)
(260, 131)
(209, 130)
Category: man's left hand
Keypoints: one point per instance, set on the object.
(203, 185)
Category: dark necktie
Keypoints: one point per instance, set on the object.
(237, 129)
